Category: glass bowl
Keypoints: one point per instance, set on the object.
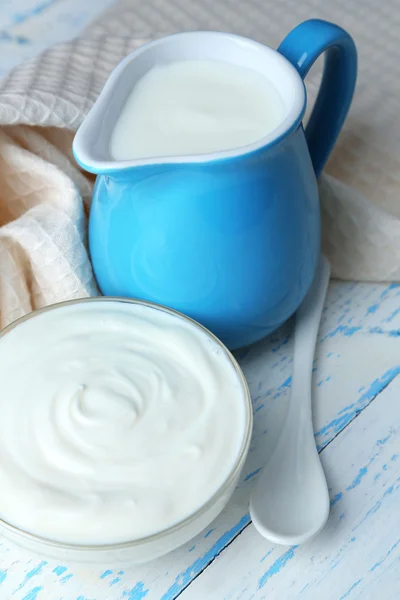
(147, 548)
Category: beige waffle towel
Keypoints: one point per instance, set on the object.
(44, 197)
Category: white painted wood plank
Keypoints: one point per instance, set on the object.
(60, 21)
(27, 27)
(350, 372)
(14, 12)
(358, 554)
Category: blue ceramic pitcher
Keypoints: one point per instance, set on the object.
(230, 238)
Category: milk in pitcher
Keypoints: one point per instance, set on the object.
(195, 107)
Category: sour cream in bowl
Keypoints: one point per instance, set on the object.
(124, 429)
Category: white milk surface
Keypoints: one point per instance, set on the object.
(117, 421)
(195, 107)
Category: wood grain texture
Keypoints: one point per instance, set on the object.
(27, 27)
(356, 419)
(357, 554)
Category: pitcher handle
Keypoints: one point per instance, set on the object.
(302, 47)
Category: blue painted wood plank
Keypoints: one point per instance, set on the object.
(13, 12)
(358, 553)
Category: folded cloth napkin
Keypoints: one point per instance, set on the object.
(44, 196)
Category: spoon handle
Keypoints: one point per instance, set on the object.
(290, 502)
(306, 330)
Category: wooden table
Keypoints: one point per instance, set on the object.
(356, 420)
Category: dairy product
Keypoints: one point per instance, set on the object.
(195, 107)
(117, 421)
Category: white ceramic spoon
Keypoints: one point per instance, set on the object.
(290, 503)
